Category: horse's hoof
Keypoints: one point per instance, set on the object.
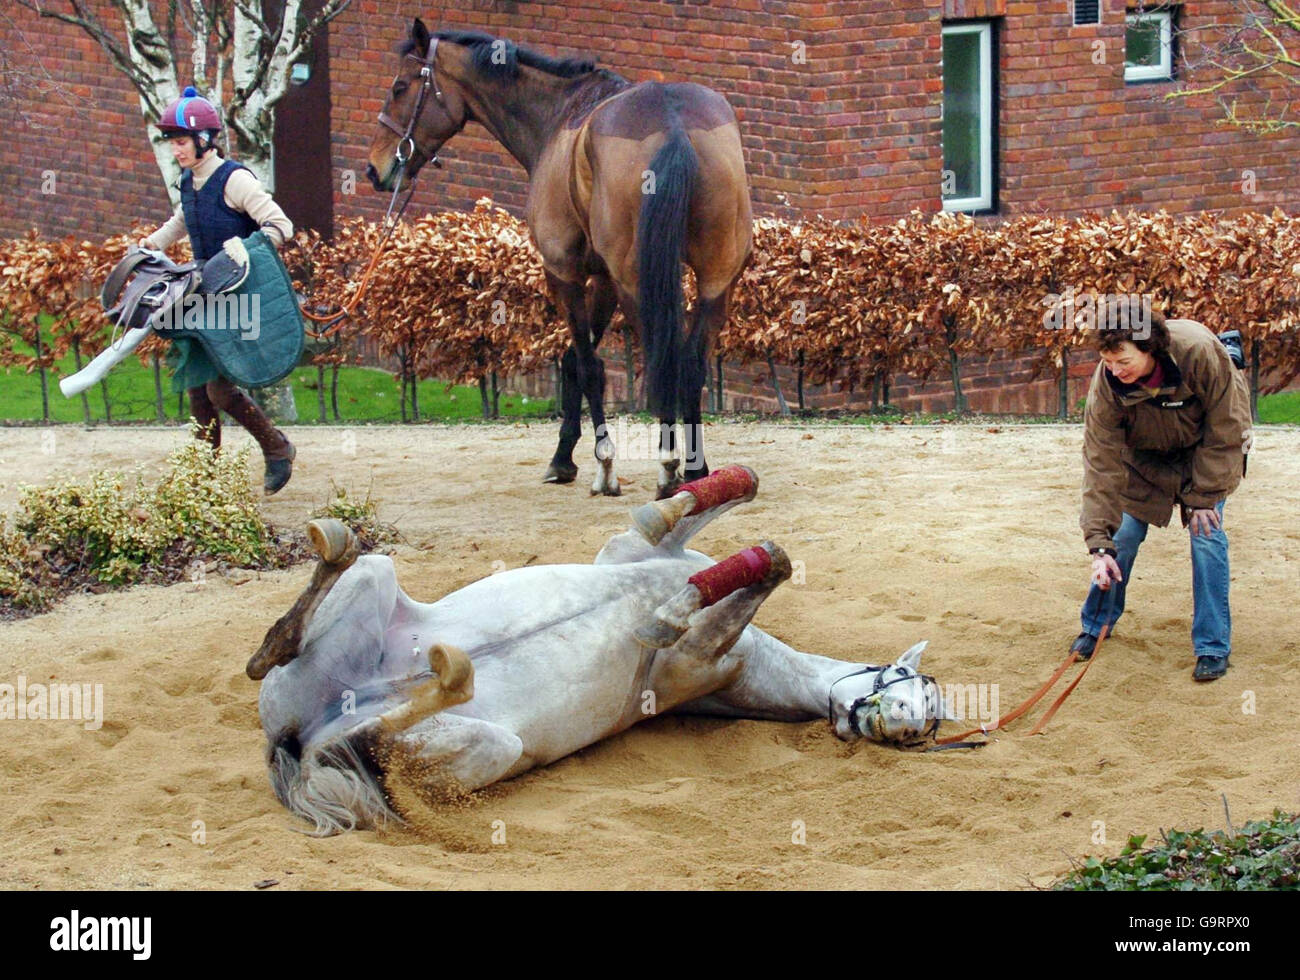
(331, 539)
(668, 490)
(613, 491)
(560, 474)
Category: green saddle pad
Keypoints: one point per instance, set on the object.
(252, 335)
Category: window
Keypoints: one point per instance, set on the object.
(1148, 46)
(968, 117)
(1087, 12)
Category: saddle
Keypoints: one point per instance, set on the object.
(155, 285)
(253, 334)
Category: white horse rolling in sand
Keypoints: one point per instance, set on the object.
(373, 703)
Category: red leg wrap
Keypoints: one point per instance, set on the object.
(719, 487)
(744, 568)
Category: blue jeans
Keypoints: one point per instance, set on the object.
(1211, 617)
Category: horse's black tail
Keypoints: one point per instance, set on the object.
(661, 237)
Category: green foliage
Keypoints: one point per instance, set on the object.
(360, 515)
(1264, 855)
(114, 529)
(18, 585)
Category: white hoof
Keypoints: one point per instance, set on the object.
(606, 481)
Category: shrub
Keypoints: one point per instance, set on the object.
(1262, 855)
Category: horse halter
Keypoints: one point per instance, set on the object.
(428, 72)
(874, 699)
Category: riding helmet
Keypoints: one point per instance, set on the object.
(191, 113)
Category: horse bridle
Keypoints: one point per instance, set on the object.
(874, 698)
(428, 72)
(405, 148)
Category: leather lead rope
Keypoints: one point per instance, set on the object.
(1035, 698)
(405, 149)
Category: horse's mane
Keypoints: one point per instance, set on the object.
(500, 59)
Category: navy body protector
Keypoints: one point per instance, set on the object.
(208, 219)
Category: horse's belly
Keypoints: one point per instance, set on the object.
(554, 656)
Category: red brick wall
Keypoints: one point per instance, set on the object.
(852, 130)
(1076, 137)
(74, 114)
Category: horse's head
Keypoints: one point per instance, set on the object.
(895, 703)
(423, 110)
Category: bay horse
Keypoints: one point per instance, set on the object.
(626, 182)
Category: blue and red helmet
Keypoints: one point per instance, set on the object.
(191, 113)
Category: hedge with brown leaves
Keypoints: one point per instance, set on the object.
(459, 294)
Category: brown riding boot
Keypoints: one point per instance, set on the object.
(277, 451)
(206, 415)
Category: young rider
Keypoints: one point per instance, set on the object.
(220, 199)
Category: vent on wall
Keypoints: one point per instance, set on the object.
(1087, 12)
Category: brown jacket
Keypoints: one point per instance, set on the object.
(1144, 451)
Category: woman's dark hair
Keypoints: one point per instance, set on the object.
(1150, 338)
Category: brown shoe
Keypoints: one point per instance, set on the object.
(278, 471)
(277, 450)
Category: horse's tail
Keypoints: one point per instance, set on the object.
(661, 237)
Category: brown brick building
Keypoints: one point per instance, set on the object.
(841, 106)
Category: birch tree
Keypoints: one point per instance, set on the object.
(164, 45)
(1248, 59)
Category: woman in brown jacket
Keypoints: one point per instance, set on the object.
(1167, 422)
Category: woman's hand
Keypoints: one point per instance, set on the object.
(1204, 520)
(1105, 569)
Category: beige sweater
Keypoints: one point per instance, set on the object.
(243, 193)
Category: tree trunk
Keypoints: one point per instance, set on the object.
(717, 380)
(483, 395)
(776, 386)
(405, 377)
(160, 410)
(277, 401)
(557, 386)
(85, 399)
(108, 405)
(334, 391)
(320, 392)
(415, 396)
(1254, 379)
(875, 392)
(629, 369)
(802, 407)
(950, 336)
(45, 381)
(496, 397)
(1063, 408)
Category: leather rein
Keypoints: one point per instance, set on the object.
(405, 150)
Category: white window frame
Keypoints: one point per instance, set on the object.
(1165, 70)
(983, 202)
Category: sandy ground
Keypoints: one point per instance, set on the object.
(964, 536)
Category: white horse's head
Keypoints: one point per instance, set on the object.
(894, 703)
(328, 675)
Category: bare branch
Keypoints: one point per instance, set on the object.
(1248, 56)
(91, 24)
